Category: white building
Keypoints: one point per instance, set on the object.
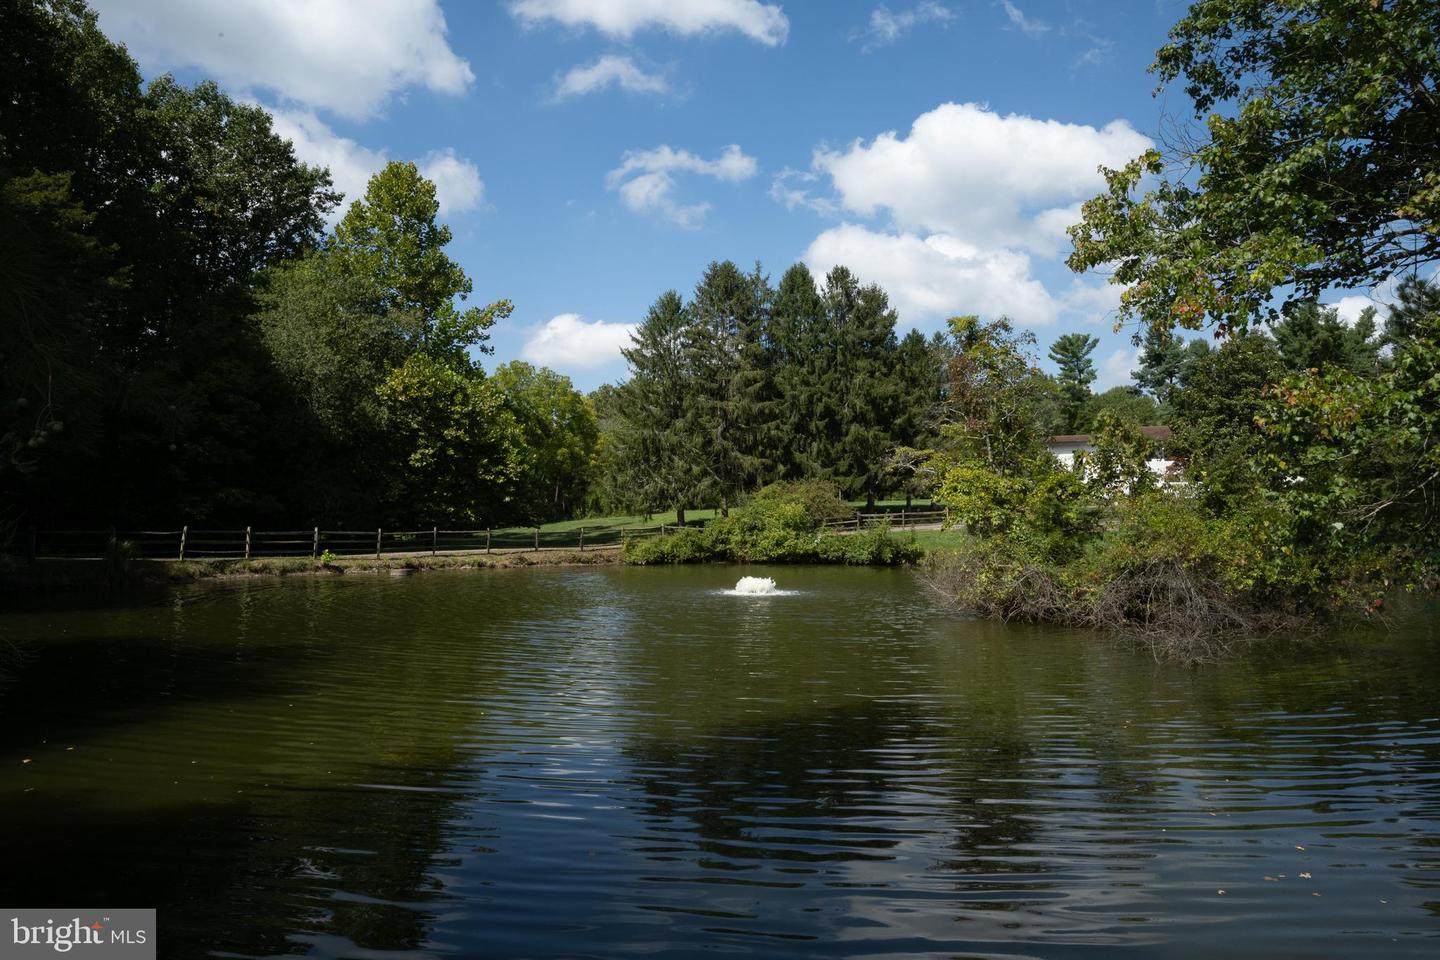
(1065, 445)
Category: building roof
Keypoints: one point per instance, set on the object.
(1156, 432)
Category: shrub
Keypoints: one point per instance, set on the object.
(774, 529)
(875, 547)
(1168, 576)
(689, 545)
(780, 524)
(820, 500)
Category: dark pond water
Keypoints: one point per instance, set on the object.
(629, 763)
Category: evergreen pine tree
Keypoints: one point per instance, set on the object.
(796, 325)
(731, 411)
(1071, 353)
(869, 391)
(652, 453)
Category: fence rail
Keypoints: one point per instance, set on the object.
(251, 544)
(188, 543)
(900, 519)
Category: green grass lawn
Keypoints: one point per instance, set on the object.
(931, 540)
(602, 524)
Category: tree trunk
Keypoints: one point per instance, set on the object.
(907, 499)
(680, 516)
(724, 507)
(870, 500)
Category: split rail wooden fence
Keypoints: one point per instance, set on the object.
(189, 543)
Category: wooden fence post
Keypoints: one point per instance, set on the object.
(184, 535)
(379, 531)
(315, 544)
(487, 539)
(537, 538)
(247, 543)
(434, 540)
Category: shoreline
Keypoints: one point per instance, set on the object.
(67, 574)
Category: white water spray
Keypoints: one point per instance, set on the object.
(757, 587)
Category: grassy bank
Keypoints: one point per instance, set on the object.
(86, 574)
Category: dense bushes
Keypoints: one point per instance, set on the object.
(1186, 585)
(782, 523)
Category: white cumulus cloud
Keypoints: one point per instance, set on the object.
(761, 22)
(1350, 308)
(458, 186)
(646, 183)
(457, 181)
(570, 342)
(608, 71)
(979, 175)
(351, 165)
(347, 56)
(937, 275)
(970, 200)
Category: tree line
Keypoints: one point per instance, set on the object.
(746, 384)
(1310, 444)
(185, 341)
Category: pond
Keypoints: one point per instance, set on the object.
(620, 762)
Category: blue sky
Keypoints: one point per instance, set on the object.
(591, 154)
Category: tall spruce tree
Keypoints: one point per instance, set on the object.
(864, 382)
(1311, 337)
(651, 451)
(1071, 353)
(1162, 356)
(731, 410)
(1417, 301)
(796, 325)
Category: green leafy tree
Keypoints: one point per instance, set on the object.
(990, 412)
(1216, 410)
(1126, 402)
(1071, 353)
(1118, 466)
(1360, 462)
(390, 238)
(560, 433)
(182, 197)
(338, 325)
(1316, 167)
(454, 449)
